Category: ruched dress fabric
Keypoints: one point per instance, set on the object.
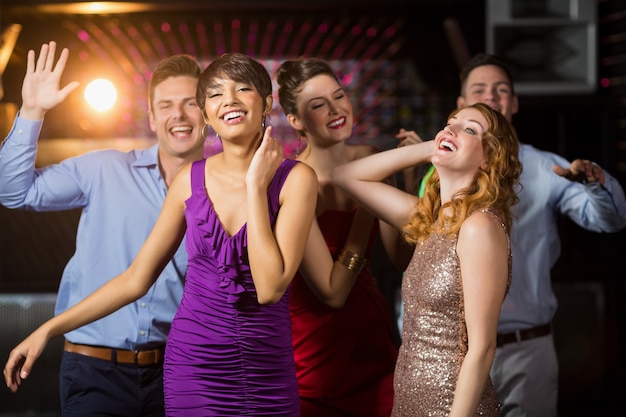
(434, 333)
(227, 355)
(345, 357)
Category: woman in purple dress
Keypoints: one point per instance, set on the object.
(246, 212)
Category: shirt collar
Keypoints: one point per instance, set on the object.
(148, 157)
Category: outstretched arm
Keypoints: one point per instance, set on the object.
(158, 249)
(604, 208)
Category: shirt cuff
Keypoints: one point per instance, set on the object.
(25, 130)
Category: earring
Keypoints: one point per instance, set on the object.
(299, 146)
(266, 122)
(205, 135)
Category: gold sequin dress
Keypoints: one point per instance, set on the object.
(434, 334)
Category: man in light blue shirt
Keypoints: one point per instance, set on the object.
(525, 369)
(113, 366)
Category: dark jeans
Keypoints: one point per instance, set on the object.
(97, 388)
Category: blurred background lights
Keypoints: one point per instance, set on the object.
(101, 94)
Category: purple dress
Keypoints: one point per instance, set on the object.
(226, 354)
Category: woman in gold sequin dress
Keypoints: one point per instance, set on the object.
(461, 267)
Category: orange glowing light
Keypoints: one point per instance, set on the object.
(101, 94)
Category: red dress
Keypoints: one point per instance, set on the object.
(345, 358)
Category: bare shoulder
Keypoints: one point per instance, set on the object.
(180, 188)
(304, 171)
(302, 177)
(482, 225)
(183, 176)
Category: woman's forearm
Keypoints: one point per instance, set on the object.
(384, 164)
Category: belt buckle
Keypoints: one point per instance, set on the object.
(151, 357)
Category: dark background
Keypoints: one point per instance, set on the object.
(400, 60)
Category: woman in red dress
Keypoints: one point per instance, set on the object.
(343, 334)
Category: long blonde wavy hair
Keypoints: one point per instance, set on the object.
(494, 187)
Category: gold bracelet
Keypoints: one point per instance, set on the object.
(352, 261)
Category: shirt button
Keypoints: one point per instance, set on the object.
(143, 305)
(143, 332)
(20, 131)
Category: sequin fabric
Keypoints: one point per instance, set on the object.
(434, 335)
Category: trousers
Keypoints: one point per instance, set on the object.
(525, 375)
(98, 388)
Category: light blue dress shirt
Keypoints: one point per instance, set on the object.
(121, 195)
(534, 236)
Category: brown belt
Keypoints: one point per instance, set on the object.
(526, 334)
(132, 357)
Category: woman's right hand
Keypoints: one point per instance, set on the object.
(265, 161)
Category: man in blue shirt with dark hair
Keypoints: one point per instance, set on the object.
(525, 369)
(113, 366)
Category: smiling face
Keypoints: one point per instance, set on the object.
(459, 146)
(324, 111)
(489, 84)
(235, 109)
(175, 116)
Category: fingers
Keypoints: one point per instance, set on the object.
(560, 171)
(60, 66)
(598, 174)
(407, 137)
(40, 90)
(52, 47)
(43, 57)
(30, 63)
(593, 173)
(65, 91)
(267, 142)
(265, 161)
(267, 135)
(585, 170)
(573, 172)
(581, 170)
(15, 370)
(271, 144)
(45, 61)
(589, 171)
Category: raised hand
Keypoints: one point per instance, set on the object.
(265, 161)
(410, 175)
(407, 137)
(40, 90)
(581, 170)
